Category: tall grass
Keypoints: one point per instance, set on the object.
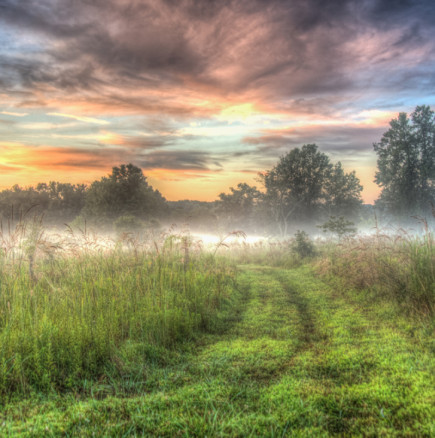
(399, 267)
(70, 308)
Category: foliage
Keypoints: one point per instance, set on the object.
(342, 193)
(305, 185)
(59, 202)
(339, 226)
(18, 202)
(239, 207)
(124, 191)
(303, 246)
(406, 164)
(65, 200)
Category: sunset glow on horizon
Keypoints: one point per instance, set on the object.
(204, 95)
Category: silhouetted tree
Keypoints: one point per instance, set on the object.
(406, 164)
(124, 192)
(305, 186)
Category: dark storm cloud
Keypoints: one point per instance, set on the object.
(275, 49)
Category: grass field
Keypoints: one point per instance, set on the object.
(174, 342)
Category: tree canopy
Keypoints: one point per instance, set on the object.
(57, 202)
(406, 164)
(124, 192)
(238, 207)
(305, 186)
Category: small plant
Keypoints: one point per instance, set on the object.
(339, 226)
(303, 246)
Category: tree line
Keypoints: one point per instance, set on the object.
(303, 189)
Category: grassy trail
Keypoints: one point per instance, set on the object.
(299, 360)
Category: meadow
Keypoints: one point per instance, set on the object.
(161, 335)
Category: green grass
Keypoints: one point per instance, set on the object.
(79, 320)
(291, 356)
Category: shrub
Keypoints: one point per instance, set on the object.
(303, 246)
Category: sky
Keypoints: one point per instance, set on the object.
(203, 94)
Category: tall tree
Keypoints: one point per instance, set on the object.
(406, 164)
(124, 191)
(305, 187)
(342, 193)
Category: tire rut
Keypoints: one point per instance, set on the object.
(310, 332)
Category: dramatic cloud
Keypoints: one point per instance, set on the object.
(254, 76)
(131, 52)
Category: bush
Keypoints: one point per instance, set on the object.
(303, 246)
